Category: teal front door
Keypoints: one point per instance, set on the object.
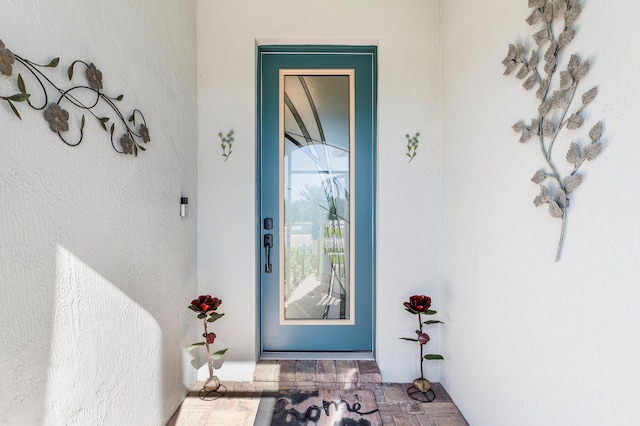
(316, 160)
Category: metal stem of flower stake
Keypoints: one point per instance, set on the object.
(212, 389)
(208, 352)
(421, 349)
(421, 388)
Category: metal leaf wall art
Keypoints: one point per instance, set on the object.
(558, 109)
(226, 143)
(83, 97)
(412, 146)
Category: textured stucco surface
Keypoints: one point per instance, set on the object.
(408, 212)
(96, 266)
(529, 341)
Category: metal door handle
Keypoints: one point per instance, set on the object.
(268, 244)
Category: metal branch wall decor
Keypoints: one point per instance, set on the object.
(81, 97)
(226, 143)
(557, 110)
(412, 146)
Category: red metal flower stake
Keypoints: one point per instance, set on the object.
(420, 305)
(206, 307)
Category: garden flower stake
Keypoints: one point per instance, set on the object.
(420, 305)
(205, 307)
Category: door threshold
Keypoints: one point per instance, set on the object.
(360, 356)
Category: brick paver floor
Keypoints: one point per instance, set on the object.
(240, 404)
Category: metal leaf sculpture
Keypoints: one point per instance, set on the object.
(556, 110)
(133, 138)
(412, 146)
(226, 143)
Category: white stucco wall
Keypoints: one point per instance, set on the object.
(407, 36)
(96, 266)
(530, 341)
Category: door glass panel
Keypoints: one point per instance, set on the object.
(316, 196)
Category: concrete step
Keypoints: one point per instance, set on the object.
(326, 373)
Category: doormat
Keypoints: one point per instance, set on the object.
(323, 407)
